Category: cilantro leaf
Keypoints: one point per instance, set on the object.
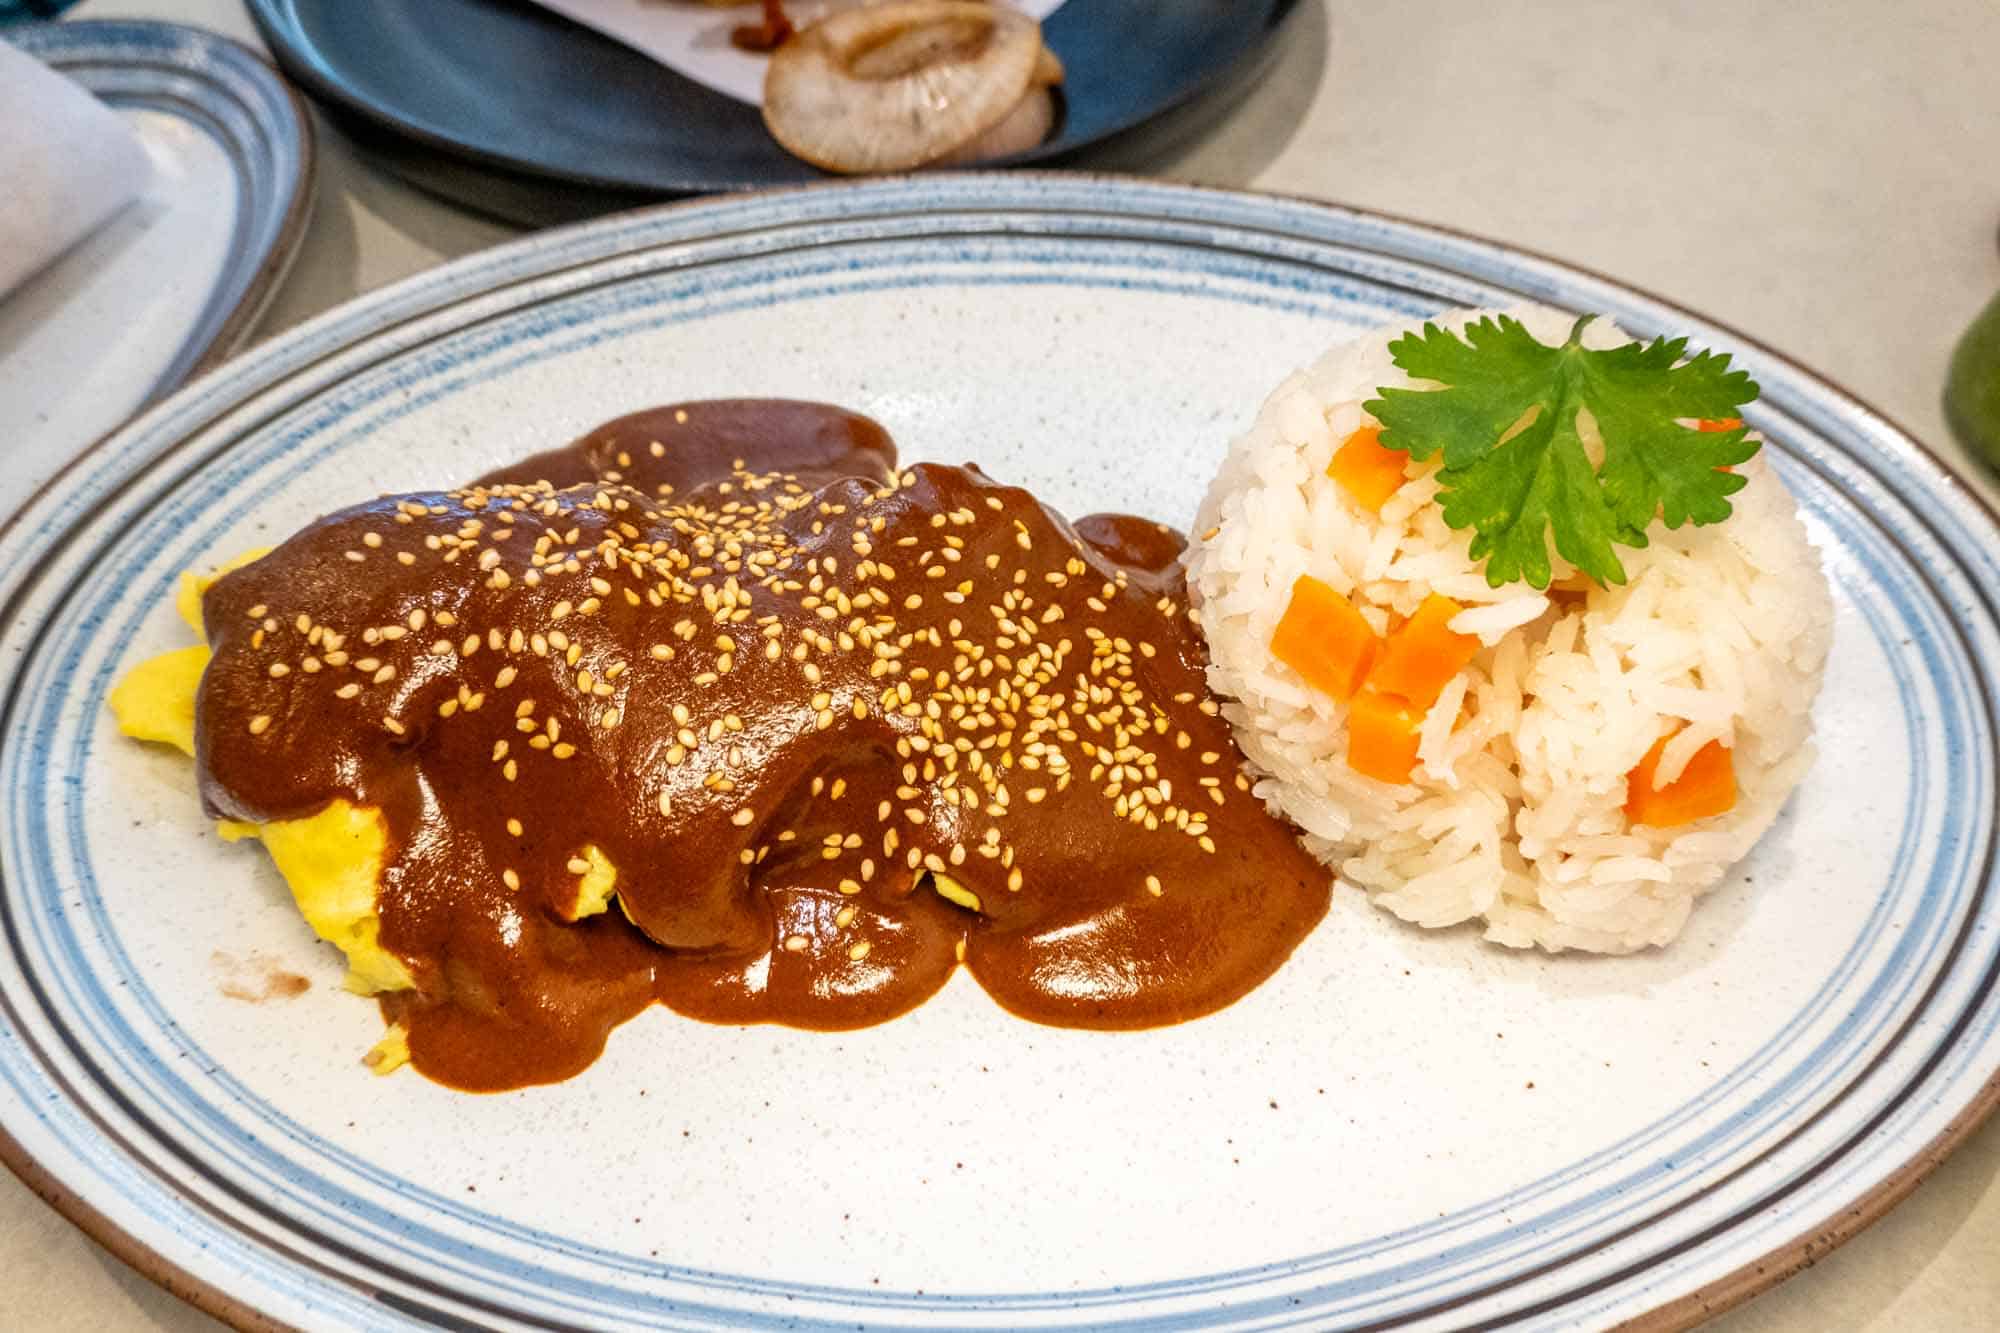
(1516, 469)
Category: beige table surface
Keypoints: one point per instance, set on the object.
(1825, 177)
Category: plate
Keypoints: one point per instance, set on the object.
(510, 109)
(176, 282)
(1399, 1126)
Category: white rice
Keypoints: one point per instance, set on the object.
(1516, 817)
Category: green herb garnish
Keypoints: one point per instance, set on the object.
(1515, 467)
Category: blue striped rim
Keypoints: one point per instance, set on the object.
(1069, 1300)
(179, 518)
(215, 489)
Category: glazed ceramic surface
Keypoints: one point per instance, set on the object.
(1399, 1126)
(511, 109)
(176, 281)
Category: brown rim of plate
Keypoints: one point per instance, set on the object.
(169, 1277)
(1751, 1278)
(1756, 1276)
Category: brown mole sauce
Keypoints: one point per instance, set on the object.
(781, 686)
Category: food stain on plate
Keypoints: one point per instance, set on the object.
(256, 979)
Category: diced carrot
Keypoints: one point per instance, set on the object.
(1715, 426)
(1370, 472)
(1423, 654)
(1707, 786)
(1382, 736)
(1324, 639)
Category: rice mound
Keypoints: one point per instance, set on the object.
(1515, 818)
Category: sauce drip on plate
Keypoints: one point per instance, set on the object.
(835, 728)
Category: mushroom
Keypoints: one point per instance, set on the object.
(912, 83)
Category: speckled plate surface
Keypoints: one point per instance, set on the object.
(1398, 1128)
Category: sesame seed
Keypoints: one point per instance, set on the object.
(988, 707)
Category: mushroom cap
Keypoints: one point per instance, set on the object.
(1019, 130)
(893, 86)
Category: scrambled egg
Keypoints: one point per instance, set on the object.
(595, 886)
(952, 891)
(331, 861)
(155, 700)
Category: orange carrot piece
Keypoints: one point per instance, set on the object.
(1324, 639)
(1423, 654)
(1715, 426)
(1382, 736)
(1370, 472)
(1707, 786)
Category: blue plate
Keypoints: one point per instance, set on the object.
(510, 109)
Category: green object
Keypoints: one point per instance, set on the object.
(1972, 388)
(1515, 467)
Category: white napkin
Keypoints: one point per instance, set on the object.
(693, 39)
(67, 164)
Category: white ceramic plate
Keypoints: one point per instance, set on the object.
(175, 282)
(1399, 1127)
